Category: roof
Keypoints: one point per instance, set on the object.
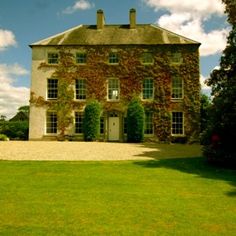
(145, 34)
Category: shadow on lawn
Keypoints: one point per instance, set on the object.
(191, 165)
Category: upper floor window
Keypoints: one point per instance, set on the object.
(148, 123)
(177, 87)
(81, 58)
(176, 57)
(113, 89)
(147, 58)
(177, 127)
(51, 122)
(80, 89)
(53, 58)
(113, 58)
(79, 122)
(52, 89)
(148, 88)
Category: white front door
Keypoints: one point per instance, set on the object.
(114, 128)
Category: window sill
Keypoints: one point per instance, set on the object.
(176, 99)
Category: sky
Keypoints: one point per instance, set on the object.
(27, 21)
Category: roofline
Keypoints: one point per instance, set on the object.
(38, 43)
(179, 35)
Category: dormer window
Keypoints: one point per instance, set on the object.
(113, 58)
(53, 58)
(147, 58)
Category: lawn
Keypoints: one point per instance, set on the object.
(174, 194)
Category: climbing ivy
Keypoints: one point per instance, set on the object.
(131, 73)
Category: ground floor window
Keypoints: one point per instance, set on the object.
(79, 123)
(148, 123)
(51, 124)
(177, 123)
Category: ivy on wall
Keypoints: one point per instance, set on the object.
(131, 73)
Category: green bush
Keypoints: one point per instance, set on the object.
(3, 137)
(15, 129)
(91, 123)
(135, 121)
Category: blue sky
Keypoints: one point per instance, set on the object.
(26, 21)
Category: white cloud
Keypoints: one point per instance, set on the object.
(11, 97)
(7, 38)
(79, 5)
(193, 6)
(188, 17)
(202, 82)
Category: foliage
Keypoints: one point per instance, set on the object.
(220, 135)
(204, 111)
(15, 129)
(135, 121)
(91, 123)
(3, 137)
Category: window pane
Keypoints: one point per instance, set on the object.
(147, 58)
(177, 122)
(51, 124)
(148, 124)
(113, 89)
(148, 89)
(80, 89)
(176, 57)
(113, 58)
(177, 87)
(53, 58)
(78, 123)
(81, 58)
(52, 88)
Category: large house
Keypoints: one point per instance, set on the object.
(113, 64)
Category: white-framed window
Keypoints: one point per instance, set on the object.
(147, 58)
(81, 57)
(113, 89)
(53, 58)
(51, 122)
(148, 123)
(177, 87)
(177, 124)
(80, 89)
(176, 57)
(113, 58)
(148, 89)
(79, 117)
(52, 88)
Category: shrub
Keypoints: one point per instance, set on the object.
(91, 123)
(3, 137)
(135, 121)
(15, 129)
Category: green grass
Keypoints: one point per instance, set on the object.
(174, 194)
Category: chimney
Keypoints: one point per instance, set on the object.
(100, 19)
(132, 18)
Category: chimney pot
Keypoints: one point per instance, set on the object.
(100, 19)
(132, 18)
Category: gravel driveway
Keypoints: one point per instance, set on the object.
(85, 151)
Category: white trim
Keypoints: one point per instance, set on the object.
(183, 122)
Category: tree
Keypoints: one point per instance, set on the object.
(220, 136)
(204, 111)
(91, 123)
(135, 121)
